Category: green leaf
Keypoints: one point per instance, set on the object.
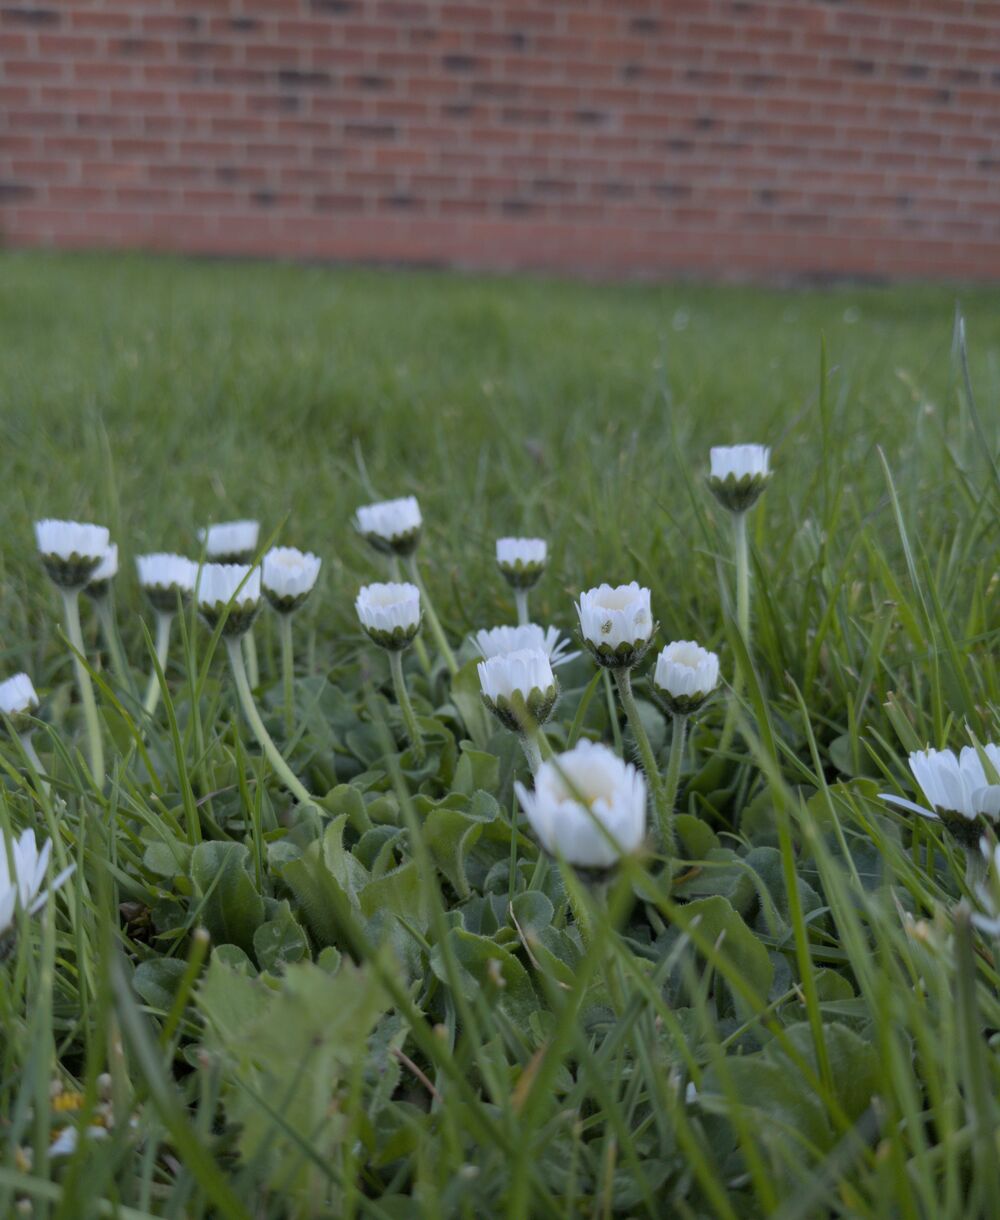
(722, 926)
(484, 966)
(280, 941)
(157, 981)
(466, 695)
(231, 909)
(476, 769)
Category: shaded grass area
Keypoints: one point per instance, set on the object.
(405, 1008)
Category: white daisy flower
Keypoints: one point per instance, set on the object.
(685, 675)
(391, 526)
(616, 623)
(613, 796)
(738, 475)
(517, 682)
(217, 593)
(71, 551)
(521, 560)
(21, 877)
(390, 613)
(230, 541)
(288, 576)
(164, 575)
(499, 640)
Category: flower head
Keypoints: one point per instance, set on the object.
(390, 613)
(288, 577)
(19, 701)
(163, 576)
(232, 588)
(230, 541)
(957, 787)
(521, 560)
(21, 876)
(104, 573)
(71, 551)
(616, 624)
(685, 675)
(499, 640)
(739, 473)
(579, 793)
(391, 526)
(519, 688)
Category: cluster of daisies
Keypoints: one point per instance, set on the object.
(586, 804)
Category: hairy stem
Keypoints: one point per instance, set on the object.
(71, 609)
(405, 706)
(623, 677)
(742, 556)
(253, 666)
(532, 751)
(164, 621)
(287, 671)
(435, 623)
(521, 600)
(673, 777)
(281, 768)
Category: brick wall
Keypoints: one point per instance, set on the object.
(720, 137)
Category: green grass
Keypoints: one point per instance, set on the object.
(404, 1009)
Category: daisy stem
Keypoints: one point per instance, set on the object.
(253, 666)
(28, 746)
(532, 751)
(287, 670)
(280, 767)
(742, 619)
(521, 600)
(112, 640)
(405, 706)
(674, 774)
(664, 814)
(435, 623)
(71, 609)
(742, 576)
(164, 621)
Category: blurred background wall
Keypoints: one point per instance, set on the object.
(727, 138)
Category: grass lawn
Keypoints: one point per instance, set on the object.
(402, 1005)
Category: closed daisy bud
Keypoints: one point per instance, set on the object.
(685, 675)
(217, 594)
(391, 526)
(958, 789)
(739, 473)
(71, 551)
(616, 624)
(519, 688)
(521, 560)
(104, 573)
(390, 613)
(19, 701)
(588, 806)
(163, 576)
(288, 577)
(500, 640)
(230, 541)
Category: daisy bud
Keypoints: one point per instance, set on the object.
(230, 541)
(685, 675)
(71, 552)
(588, 806)
(391, 526)
(521, 560)
(500, 640)
(104, 573)
(958, 789)
(739, 474)
(217, 594)
(390, 613)
(19, 701)
(163, 576)
(288, 576)
(519, 688)
(616, 624)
